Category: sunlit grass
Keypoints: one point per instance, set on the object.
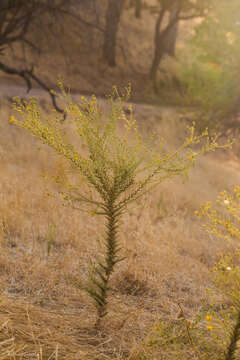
(168, 258)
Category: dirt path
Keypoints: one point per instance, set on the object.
(11, 89)
(146, 111)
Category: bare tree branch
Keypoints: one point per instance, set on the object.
(80, 19)
(28, 76)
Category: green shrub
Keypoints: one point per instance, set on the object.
(212, 87)
(209, 70)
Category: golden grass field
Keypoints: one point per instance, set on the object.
(43, 314)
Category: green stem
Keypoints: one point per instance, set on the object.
(234, 339)
(105, 270)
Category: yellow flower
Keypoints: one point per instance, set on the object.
(208, 317)
(12, 119)
(209, 327)
(52, 91)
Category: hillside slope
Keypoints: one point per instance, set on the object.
(76, 55)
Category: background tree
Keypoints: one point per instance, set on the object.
(212, 77)
(17, 20)
(113, 15)
(170, 12)
(138, 8)
(172, 35)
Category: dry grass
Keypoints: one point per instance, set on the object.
(43, 314)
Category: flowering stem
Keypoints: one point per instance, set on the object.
(197, 354)
(235, 336)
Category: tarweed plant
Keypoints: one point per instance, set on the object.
(223, 221)
(203, 337)
(118, 169)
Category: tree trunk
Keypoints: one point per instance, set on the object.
(171, 38)
(165, 41)
(158, 54)
(138, 9)
(113, 15)
(3, 6)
